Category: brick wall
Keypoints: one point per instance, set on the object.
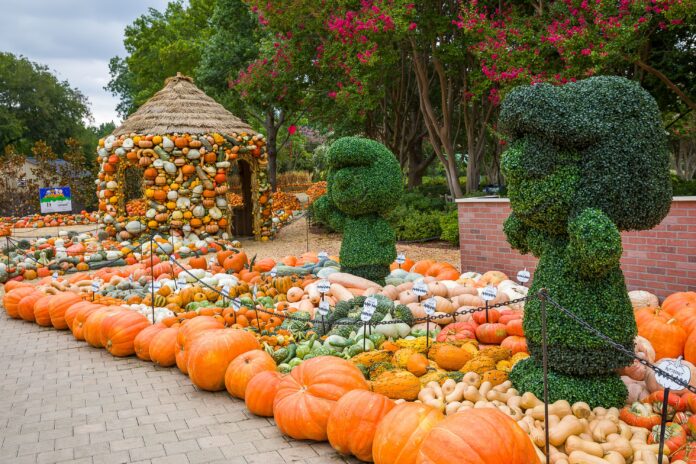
(661, 260)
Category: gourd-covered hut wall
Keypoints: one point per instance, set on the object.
(183, 165)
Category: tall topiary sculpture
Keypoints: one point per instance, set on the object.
(586, 160)
(364, 182)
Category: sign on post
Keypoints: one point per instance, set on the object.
(400, 259)
(323, 286)
(420, 289)
(675, 368)
(430, 305)
(369, 308)
(323, 255)
(489, 293)
(523, 276)
(55, 200)
(323, 308)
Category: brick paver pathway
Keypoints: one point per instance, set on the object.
(64, 401)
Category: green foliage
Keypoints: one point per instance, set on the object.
(449, 224)
(585, 161)
(590, 121)
(364, 181)
(603, 390)
(682, 187)
(35, 105)
(419, 225)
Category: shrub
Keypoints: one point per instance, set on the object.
(419, 226)
(449, 224)
(586, 160)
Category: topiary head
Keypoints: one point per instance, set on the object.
(596, 143)
(364, 176)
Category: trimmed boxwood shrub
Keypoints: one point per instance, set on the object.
(363, 183)
(586, 160)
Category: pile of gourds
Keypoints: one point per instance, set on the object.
(185, 182)
(38, 221)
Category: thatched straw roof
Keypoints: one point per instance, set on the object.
(183, 108)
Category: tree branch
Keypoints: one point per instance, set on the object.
(671, 85)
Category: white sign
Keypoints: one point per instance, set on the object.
(675, 368)
(420, 289)
(323, 286)
(430, 305)
(274, 272)
(55, 275)
(225, 291)
(322, 255)
(155, 285)
(171, 258)
(400, 259)
(523, 276)
(236, 304)
(323, 308)
(55, 200)
(254, 289)
(489, 293)
(369, 308)
(130, 278)
(95, 287)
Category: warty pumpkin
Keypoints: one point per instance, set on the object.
(354, 420)
(306, 396)
(211, 354)
(397, 384)
(451, 357)
(243, 368)
(401, 432)
(261, 391)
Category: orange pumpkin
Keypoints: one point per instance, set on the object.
(25, 307)
(143, 340)
(306, 396)
(400, 433)
(515, 344)
(264, 265)
(59, 304)
(187, 333)
(212, 353)
(121, 330)
(498, 438)
(222, 255)
(421, 267)
(664, 333)
(353, 422)
(407, 264)
(236, 262)
(92, 328)
(261, 391)
(73, 310)
(41, 315)
(243, 368)
(163, 347)
(80, 318)
(680, 301)
(198, 262)
(12, 298)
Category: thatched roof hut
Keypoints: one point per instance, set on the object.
(181, 107)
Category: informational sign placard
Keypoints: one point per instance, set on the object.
(523, 276)
(420, 289)
(324, 286)
(369, 308)
(489, 293)
(55, 200)
(675, 368)
(430, 305)
(323, 308)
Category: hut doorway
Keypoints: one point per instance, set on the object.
(242, 214)
(133, 195)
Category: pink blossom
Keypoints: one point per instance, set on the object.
(292, 129)
(412, 26)
(586, 52)
(332, 94)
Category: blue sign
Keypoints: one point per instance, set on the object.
(55, 199)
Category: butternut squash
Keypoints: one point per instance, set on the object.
(349, 280)
(567, 426)
(560, 408)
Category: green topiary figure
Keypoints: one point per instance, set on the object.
(364, 182)
(586, 160)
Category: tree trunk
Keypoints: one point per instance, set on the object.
(417, 165)
(272, 146)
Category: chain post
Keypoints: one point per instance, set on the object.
(152, 276)
(663, 424)
(545, 363)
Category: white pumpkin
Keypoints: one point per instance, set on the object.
(172, 195)
(151, 213)
(111, 185)
(215, 213)
(135, 227)
(183, 203)
(642, 299)
(169, 168)
(128, 143)
(167, 144)
(198, 211)
(193, 154)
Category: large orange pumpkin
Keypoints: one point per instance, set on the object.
(78, 323)
(12, 284)
(121, 332)
(664, 333)
(680, 301)
(163, 347)
(236, 262)
(11, 300)
(25, 307)
(690, 348)
(211, 353)
(41, 315)
(73, 310)
(188, 332)
(400, 433)
(264, 265)
(498, 439)
(243, 368)
(353, 422)
(261, 391)
(421, 267)
(306, 396)
(143, 340)
(92, 328)
(59, 304)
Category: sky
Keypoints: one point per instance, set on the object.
(75, 39)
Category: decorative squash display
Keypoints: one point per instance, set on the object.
(352, 423)
(306, 396)
(163, 347)
(261, 392)
(210, 355)
(498, 439)
(401, 432)
(243, 368)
